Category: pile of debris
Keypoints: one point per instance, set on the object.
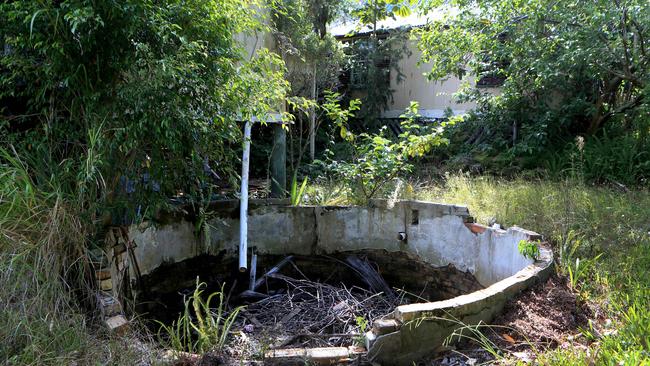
(305, 313)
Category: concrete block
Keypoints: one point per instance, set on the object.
(385, 326)
(318, 356)
(117, 324)
(102, 274)
(108, 305)
(106, 284)
(98, 258)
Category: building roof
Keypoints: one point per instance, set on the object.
(415, 19)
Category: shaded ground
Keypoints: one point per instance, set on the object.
(544, 316)
(302, 301)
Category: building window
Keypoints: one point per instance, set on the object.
(490, 81)
(365, 64)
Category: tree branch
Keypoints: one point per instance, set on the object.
(641, 38)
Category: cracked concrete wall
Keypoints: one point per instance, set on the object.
(357, 228)
(419, 330)
(437, 233)
(158, 244)
(271, 230)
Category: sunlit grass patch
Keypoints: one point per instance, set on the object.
(601, 238)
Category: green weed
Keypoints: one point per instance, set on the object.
(362, 324)
(199, 329)
(297, 193)
(476, 334)
(578, 271)
(528, 249)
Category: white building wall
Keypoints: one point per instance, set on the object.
(434, 97)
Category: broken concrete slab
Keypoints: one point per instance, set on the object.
(117, 324)
(318, 356)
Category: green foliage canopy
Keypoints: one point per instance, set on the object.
(372, 11)
(570, 67)
(299, 28)
(109, 94)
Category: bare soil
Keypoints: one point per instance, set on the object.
(545, 316)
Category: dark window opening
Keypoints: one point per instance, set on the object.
(415, 217)
(364, 64)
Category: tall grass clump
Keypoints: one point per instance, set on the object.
(618, 160)
(43, 272)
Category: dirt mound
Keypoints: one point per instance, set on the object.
(544, 315)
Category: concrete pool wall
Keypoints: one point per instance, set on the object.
(438, 234)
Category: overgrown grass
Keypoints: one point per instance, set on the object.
(42, 267)
(601, 238)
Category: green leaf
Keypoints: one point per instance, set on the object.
(31, 23)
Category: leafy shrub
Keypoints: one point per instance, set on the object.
(377, 159)
(158, 89)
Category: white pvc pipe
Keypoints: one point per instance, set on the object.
(243, 200)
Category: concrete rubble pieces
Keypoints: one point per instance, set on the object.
(315, 356)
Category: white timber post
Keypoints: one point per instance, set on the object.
(243, 199)
(312, 120)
